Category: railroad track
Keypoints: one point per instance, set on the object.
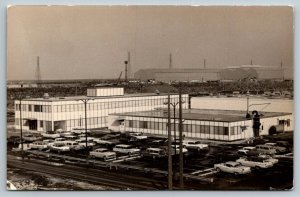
(114, 180)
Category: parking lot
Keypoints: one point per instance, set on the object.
(199, 165)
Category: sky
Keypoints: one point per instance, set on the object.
(92, 42)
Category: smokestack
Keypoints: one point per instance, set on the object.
(204, 63)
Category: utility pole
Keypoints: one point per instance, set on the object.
(21, 128)
(38, 72)
(170, 173)
(85, 126)
(126, 77)
(129, 65)
(180, 146)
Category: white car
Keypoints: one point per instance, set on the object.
(63, 133)
(288, 156)
(245, 150)
(269, 158)
(48, 141)
(40, 145)
(30, 137)
(51, 135)
(58, 147)
(126, 149)
(232, 167)
(79, 131)
(137, 136)
(255, 162)
(104, 154)
(196, 145)
(184, 150)
(73, 145)
(103, 142)
(82, 141)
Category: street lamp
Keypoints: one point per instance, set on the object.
(21, 129)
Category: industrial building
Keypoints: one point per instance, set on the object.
(223, 125)
(256, 72)
(66, 113)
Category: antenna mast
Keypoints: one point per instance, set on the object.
(38, 72)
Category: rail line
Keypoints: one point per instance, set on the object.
(105, 179)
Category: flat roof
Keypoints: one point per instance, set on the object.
(201, 114)
(74, 98)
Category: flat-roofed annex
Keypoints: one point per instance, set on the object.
(202, 114)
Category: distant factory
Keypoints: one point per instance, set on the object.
(251, 72)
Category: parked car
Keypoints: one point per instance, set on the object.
(40, 145)
(26, 146)
(30, 137)
(104, 154)
(47, 141)
(71, 137)
(82, 141)
(279, 149)
(79, 131)
(195, 145)
(103, 142)
(73, 145)
(232, 167)
(126, 149)
(155, 153)
(264, 149)
(254, 162)
(60, 139)
(177, 150)
(63, 133)
(58, 147)
(245, 150)
(287, 157)
(137, 137)
(50, 134)
(269, 158)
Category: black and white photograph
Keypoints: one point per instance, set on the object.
(127, 98)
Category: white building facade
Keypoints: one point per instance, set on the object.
(222, 125)
(66, 113)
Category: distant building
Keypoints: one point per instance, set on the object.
(223, 125)
(66, 113)
(209, 74)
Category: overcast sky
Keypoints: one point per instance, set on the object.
(76, 42)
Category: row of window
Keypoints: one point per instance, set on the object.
(33, 108)
(187, 128)
(94, 106)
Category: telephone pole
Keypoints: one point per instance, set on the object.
(180, 145)
(170, 173)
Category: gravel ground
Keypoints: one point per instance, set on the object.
(36, 181)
